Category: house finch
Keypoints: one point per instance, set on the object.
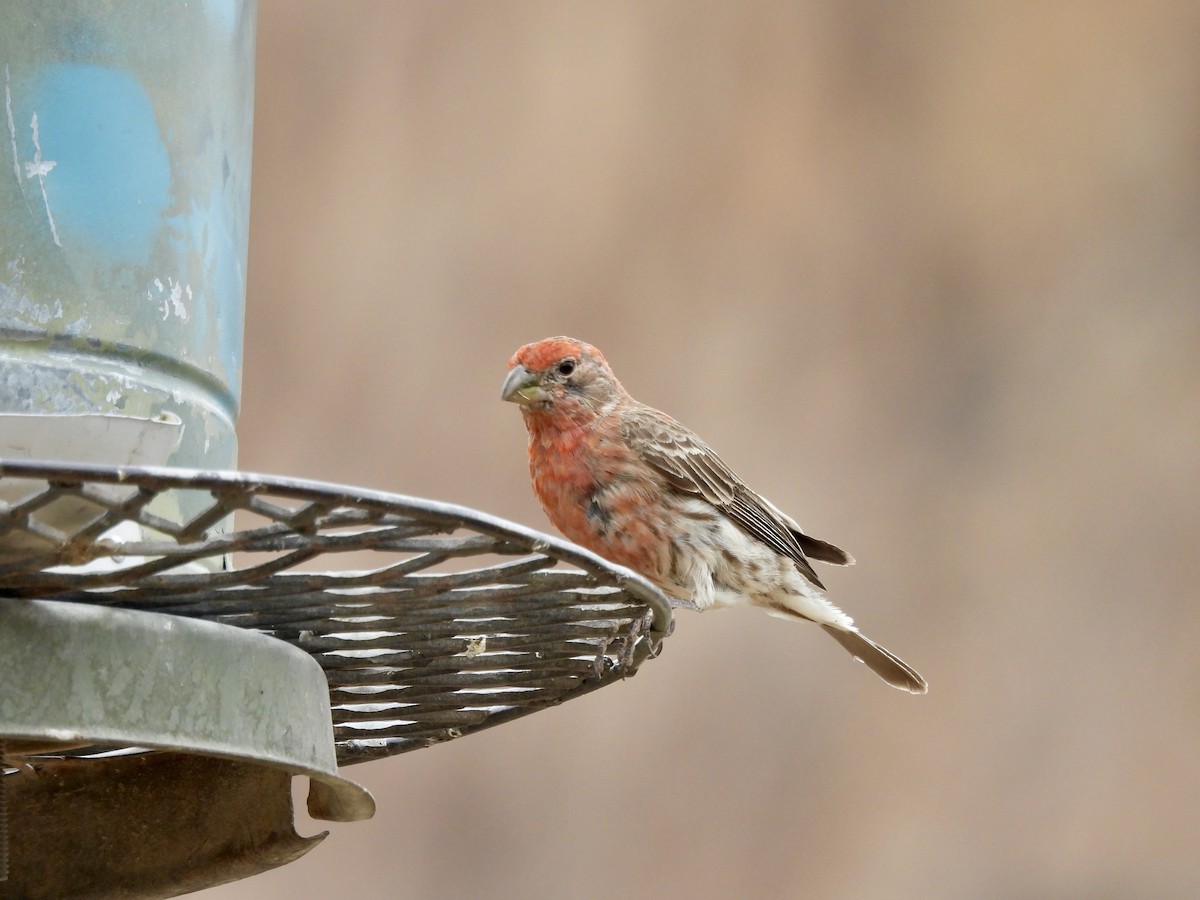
(633, 485)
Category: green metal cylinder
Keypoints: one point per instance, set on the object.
(124, 213)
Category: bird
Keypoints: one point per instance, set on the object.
(640, 489)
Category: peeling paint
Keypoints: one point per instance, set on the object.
(170, 298)
(20, 306)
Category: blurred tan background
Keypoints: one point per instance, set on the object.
(927, 275)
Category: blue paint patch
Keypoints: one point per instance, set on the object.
(111, 179)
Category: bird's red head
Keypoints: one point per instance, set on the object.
(561, 376)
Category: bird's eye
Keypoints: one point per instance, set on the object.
(566, 367)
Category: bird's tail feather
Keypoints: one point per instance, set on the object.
(879, 660)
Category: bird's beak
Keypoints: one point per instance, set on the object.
(522, 386)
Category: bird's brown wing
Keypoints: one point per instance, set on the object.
(814, 548)
(691, 466)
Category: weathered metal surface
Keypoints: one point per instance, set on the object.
(143, 826)
(124, 200)
(450, 620)
(78, 675)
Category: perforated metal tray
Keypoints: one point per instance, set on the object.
(440, 620)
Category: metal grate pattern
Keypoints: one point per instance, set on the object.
(442, 620)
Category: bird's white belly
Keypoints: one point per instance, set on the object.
(719, 565)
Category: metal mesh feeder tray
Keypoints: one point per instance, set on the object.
(439, 622)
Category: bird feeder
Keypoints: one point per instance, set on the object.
(178, 640)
